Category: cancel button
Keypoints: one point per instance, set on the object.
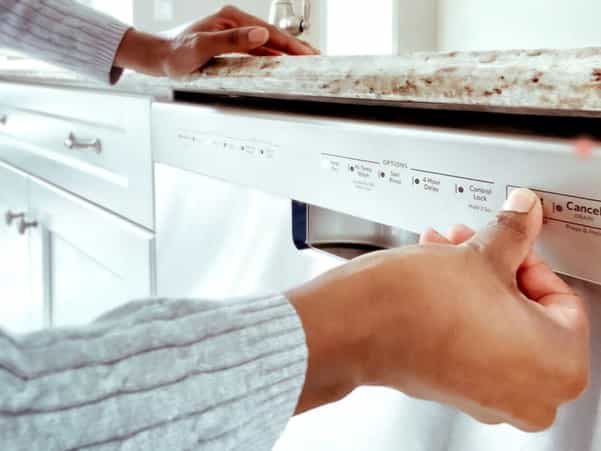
(569, 209)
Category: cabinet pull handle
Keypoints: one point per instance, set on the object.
(73, 143)
(25, 225)
(3, 119)
(9, 217)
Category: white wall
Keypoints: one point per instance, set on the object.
(188, 10)
(418, 25)
(488, 24)
(416, 20)
(121, 9)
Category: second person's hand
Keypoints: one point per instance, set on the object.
(483, 326)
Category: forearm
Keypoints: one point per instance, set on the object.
(161, 374)
(338, 330)
(64, 33)
(68, 34)
(142, 52)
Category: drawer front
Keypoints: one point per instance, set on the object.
(96, 145)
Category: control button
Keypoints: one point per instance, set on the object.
(568, 209)
(427, 183)
(267, 153)
(479, 190)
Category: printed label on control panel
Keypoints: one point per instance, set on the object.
(579, 214)
(476, 193)
(205, 141)
(365, 175)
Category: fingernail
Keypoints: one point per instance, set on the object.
(258, 35)
(520, 201)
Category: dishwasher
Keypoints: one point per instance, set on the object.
(259, 195)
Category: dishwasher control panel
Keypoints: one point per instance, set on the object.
(407, 177)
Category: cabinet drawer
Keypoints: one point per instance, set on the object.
(96, 145)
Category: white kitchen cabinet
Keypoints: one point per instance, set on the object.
(86, 189)
(92, 260)
(96, 145)
(21, 306)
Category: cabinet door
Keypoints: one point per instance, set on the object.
(21, 310)
(94, 260)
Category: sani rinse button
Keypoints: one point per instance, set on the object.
(569, 209)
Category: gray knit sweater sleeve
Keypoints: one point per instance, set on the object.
(64, 33)
(156, 375)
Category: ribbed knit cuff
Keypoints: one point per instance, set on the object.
(99, 39)
(106, 52)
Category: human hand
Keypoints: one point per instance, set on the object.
(484, 326)
(183, 52)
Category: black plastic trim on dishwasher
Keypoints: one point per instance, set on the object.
(300, 221)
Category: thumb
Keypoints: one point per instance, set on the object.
(236, 40)
(509, 241)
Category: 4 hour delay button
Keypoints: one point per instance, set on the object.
(569, 209)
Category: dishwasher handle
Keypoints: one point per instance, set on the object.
(343, 235)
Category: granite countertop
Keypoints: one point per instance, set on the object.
(544, 81)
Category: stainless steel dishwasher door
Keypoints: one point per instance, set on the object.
(219, 240)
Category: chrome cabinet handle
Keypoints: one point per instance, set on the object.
(9, 217)
(3, 119)
(73, 143)
(25, 225)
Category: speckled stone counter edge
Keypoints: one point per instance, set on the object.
(529, 81)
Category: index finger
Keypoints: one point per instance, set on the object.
(278, 40)
(557, 299)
